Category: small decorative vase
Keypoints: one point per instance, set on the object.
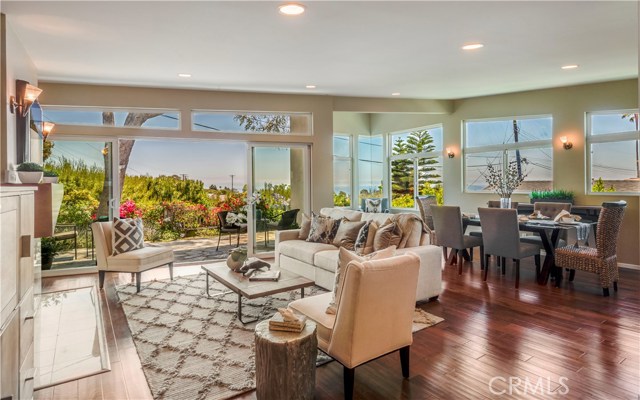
(505, 202)
(236, 259)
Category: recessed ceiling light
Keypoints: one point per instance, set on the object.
(472, 46)
(570, 66)
(184, 75)
(395, 94)
(310, 86)
(291, 8)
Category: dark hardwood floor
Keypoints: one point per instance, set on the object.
(496, 341)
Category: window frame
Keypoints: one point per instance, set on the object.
(528, 145)
(350, 160)
(590, 139)
(415, 157)
(65, 108)
(307, 114)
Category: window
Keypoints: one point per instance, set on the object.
(116, 117)
(416, 165)
(370, 167)
(342, 173)
(613, 144)
(251, 122)
(523, 140)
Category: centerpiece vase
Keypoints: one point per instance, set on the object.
(505, 202)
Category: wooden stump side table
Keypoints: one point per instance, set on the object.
(285, 362)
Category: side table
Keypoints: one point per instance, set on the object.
(285, 362)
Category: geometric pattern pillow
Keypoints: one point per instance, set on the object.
(323, 229)
(127, 235)
(373, 205)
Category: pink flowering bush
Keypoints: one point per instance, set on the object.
(128, 209)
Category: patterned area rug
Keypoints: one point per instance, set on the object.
(192, 346)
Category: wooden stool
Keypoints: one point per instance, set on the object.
(286, 362)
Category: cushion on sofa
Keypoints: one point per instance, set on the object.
(323, 229)
(305, 227)
(412, 228)
(371, 234)
(326, 259)
(136, 260)
(387, 235)
(339, 213)
(344, 258)
(302, 250)
(347, 233)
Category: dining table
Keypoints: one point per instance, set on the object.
(549, 232)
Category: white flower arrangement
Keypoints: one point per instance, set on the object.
(236, 218)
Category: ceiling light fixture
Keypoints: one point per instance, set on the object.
(310, 86)
(184, 75)
(395, 94)
(570, 66)
(291, 8)
(472, 46)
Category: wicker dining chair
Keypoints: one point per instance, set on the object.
(424, 205)
(602, 259)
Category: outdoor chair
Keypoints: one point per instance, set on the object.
(228, 228)
(376, 205)
(447, 221)
(68, 232)
(602, 259)
(501, 238)
(374, 315)
(135, 262)
(286, 220)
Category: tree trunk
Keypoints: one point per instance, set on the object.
(125, 146)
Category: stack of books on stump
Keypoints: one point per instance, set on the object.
(277, 323)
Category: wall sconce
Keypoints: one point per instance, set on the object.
(26, 94)
(566, 143)
(47, 128)
(450, 153)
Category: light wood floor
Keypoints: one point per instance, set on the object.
(571, 336)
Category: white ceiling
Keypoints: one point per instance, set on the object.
(358, 48)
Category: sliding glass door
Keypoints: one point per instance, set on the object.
(279, 192)
(85, 169)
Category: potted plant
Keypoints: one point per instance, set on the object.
(50, 177)
(29, 172)
(552, 196)
(49, 249)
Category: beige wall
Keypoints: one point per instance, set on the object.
(568, 106)
(16, 64)
(352, 123)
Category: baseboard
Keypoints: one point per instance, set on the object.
(69, 271)
(629, 266)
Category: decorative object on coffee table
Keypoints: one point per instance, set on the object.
(285, 362)
(237, 258)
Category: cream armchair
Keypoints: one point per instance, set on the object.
(135, 261)
(374, 316)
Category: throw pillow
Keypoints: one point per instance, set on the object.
(127, 235)
(388, 235)
(305, 227)
(370, 235)
(361, 240)
(344, 258)
(373, 205)
(323, 229)
(347, 233)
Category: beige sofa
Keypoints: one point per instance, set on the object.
(318, 261)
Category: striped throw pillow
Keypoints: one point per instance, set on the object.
(127, 235)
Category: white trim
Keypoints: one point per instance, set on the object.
(534, 144)
(69, 271)
(629, 266)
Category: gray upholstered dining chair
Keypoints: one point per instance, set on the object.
(501, 238)
(447, 221)
(494, 204)
(602, 259)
